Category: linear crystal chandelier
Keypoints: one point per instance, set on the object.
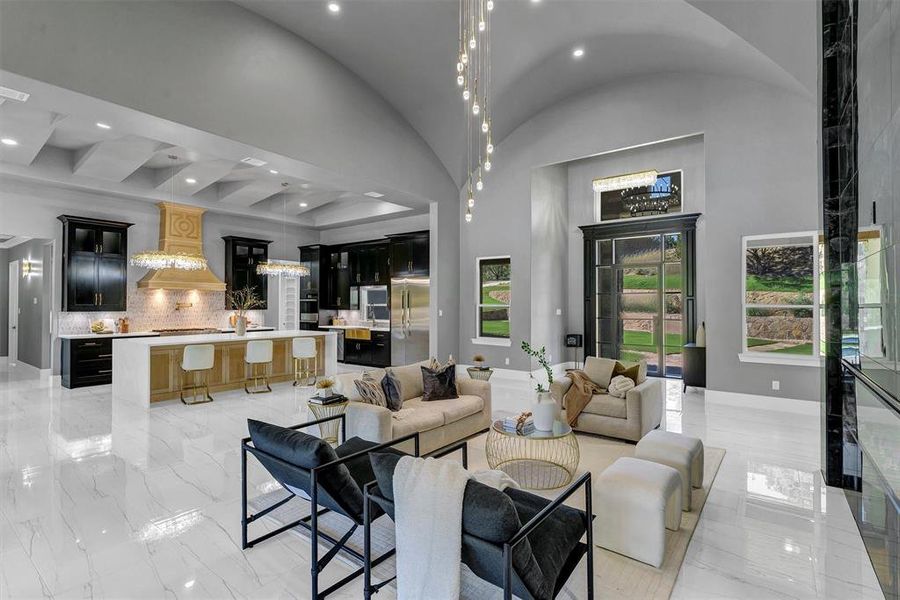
(473, 76)
(283, 268)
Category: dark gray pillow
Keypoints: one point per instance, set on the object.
(390, 385)
(337, 488)
(439, 384)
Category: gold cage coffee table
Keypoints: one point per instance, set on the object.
(329, 429)
(541, 460)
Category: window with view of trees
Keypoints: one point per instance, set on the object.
(780, 295)
(494, 297)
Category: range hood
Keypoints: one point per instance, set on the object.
(181, 230)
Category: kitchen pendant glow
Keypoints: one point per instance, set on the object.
(156, 260)
(473, 74)
(629, 180)
(283, 268)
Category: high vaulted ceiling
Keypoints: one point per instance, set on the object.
(405, 50)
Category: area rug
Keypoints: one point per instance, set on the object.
(615, 576)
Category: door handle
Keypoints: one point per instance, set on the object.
(101, 297)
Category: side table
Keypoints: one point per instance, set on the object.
(329, 429)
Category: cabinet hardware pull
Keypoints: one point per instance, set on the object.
(105, 371)
(104, 355)
(91, 344)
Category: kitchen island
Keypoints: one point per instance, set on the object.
(148, 369)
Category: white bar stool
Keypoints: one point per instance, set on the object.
(258, 356)
(198, 361)
(303, 349)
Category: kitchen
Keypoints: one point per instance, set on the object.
(353, 296)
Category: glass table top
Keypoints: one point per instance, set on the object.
(560, 429)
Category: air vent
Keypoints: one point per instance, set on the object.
(373, 195)
(253, 161)
(12, 94)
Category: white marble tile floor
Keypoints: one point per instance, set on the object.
(103, 498)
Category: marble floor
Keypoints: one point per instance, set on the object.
(100, 497)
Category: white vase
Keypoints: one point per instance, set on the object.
(240, 326)
(544, 411)
(700, 338)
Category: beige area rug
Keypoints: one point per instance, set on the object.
(615, 576)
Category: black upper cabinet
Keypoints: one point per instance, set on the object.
(410, 254)
(369, 264)
(338, 279)
(242, 257)
(310, 284)
(95, 264)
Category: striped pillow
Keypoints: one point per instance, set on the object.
(370, 390)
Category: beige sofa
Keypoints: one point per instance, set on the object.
(628, 418)
(439, 422)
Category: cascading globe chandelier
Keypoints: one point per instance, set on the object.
(473, 78)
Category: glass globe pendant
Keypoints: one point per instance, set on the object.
(468, 216)
(489, 5)
(487, 165)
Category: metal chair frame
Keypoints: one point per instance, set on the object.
(251, 372)
(310, 522)
(302, 372)
(194, 387)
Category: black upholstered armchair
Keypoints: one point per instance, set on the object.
(332, 479)
(524, 543)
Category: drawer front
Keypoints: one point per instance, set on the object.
(91, 349)
(102, 379)
(381, 336)
(92, 367)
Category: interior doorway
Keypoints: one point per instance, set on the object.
(640, 297)
(12, 337)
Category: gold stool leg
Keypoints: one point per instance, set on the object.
(198, 390)
(255, 375)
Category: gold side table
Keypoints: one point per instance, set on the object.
(480, 373)
(541, 460)
(328, 430)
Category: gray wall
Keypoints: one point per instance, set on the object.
(760, 177)
(4, 302)
(34, 301)
(375, 230)
(549, 272)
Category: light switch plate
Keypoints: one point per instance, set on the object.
(776, 385)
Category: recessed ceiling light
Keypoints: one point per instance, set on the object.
(9, 142)
(103, 125)
(190, 180)
(535, 1)
(578, 52)
(373, 195)
(305, 186)
(12, 94)
(273, 171)
(303, 205)
(255, 162)
(334, 7)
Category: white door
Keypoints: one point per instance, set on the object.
(288, 303)
(13, 337)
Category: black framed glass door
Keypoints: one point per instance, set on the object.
(639, 291)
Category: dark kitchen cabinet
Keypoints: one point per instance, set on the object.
(87, 361)
(242, 257)
(381, 349)
(369, 264)
(95, 264)
(357, 352)
(338, 279)
(410, 254)
(310, 256)
(374, 352)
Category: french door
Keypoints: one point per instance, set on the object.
(639, 291)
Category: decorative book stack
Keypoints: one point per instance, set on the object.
(331, 399)
(522, 424)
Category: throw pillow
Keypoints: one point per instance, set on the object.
(632, 372)
(439, 384)
(370, 390)
(390, 385)
(619, 386)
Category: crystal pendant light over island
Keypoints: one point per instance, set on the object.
(473, 75)
(283, 268)
(157, 260)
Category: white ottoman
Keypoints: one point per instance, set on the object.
(682, 453)
(636, 502)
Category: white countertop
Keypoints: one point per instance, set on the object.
(211, 338)
(361, 326)
(87, 336)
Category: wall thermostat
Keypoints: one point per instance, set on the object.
(573, 340)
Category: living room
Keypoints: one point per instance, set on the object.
(593, 299)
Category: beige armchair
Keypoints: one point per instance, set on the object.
(628, 418)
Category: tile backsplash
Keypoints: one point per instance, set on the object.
(155, 309)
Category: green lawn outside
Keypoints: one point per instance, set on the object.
(780, 284)
(486, 290)
(495, 328)
(649, 282)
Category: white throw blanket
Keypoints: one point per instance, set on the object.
(428, 505)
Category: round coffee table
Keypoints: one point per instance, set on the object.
(329, 429)
(541, 460)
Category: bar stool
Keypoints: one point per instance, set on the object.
(258, 354)
(303, 349)
(198, 361)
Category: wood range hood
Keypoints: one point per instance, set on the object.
(181, 230)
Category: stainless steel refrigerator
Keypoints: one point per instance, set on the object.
(409, 320)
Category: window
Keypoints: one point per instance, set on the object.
(493, 297)
(781, 298)
(664, 196)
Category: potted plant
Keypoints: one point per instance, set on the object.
(323, 386)
(242, 301)
(478, 361)
(544, 410)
